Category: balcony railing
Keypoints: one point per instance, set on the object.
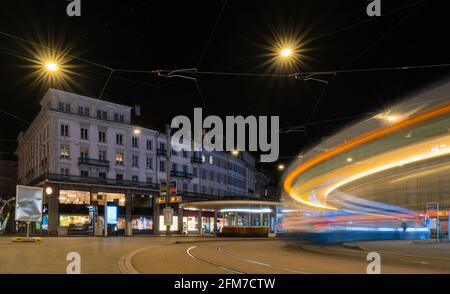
(161, 152)
(94, 162)
(99, 181)
(196, 159)
(181, 174)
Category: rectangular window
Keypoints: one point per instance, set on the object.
(104, 115)
(174, 166)
(116, 117)
(162, 166)
(149, 162)
(149, 145)
(85, 173)
(67, 107)
(119, 139)
(86, 111)
(60, 106)
(134, 160)
(102, 154)
(119, 177)
(102, 136)
(99, 114)
(64, 131)
(149, 180)
(121, 118)
(135, 178)
(84, 152)
(80, 110)
(64, 171)
(185, 186)
(134, 142)
(185, 154)
(195, 172)
(102, 175)
(119, 158)
(84, 134)
(64, 151)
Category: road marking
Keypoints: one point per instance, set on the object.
(188, 251)
(125, 262)
(258, 262)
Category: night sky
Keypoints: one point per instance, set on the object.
(150, 35)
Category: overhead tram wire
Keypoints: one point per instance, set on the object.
(384, 35)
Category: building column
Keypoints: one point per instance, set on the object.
(200, 223)
(53, 210)
(180, 219)
(261, 220)
(128, 206)
(155, 216)
(216, 229)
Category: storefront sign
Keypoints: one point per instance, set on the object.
(161, 200)
(174, 199)
(98, 197)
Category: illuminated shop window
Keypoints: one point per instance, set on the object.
(74, 197)
(142, 223)
(66, 220)
(113, 197)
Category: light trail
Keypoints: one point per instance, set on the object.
(355, 142)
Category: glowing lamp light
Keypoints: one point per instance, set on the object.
(136, 131)
(48, 190)
(349, 159)
(235, 152)
(392, 118)
(51, 66)
(281, 167)
(286, 52)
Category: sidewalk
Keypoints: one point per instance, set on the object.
(414, 248)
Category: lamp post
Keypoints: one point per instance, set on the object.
(169, 153)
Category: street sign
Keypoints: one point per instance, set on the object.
(168, 216)
(29, 203)
(175, 199)
(163, 187)
(173, 187)
(161, 200)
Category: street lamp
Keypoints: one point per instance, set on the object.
(48, 190)
(235, 152)
(281, 167)
(136, 131)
